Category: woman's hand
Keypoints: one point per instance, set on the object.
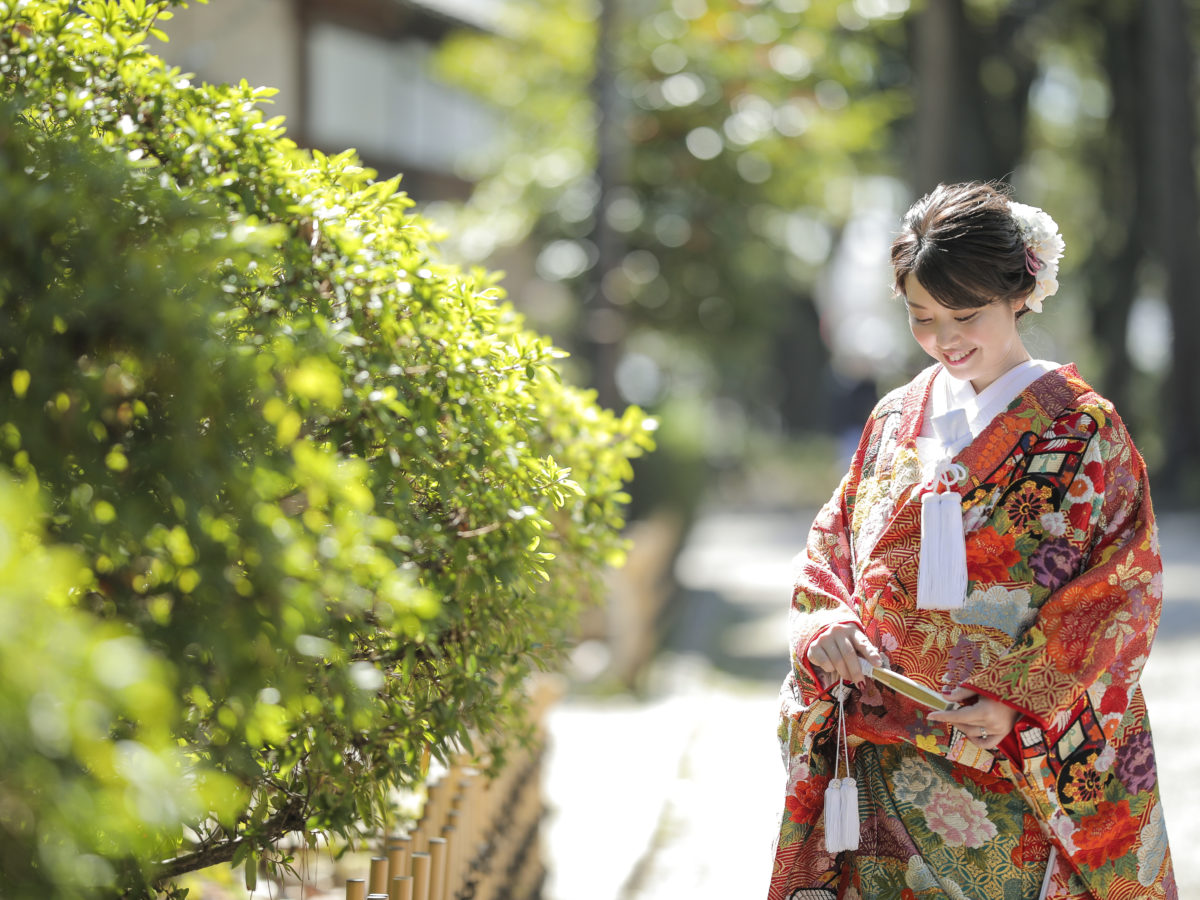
(837, 649)
(986, 722)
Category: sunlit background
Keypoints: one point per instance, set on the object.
(696, 198)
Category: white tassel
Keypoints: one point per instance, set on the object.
(841, 796)
(850, 828)
(833, 816)
(942, 567)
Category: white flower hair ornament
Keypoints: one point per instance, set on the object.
(1044, 247)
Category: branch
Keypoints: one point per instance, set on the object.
(290, 818)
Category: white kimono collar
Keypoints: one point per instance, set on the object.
(955, 415)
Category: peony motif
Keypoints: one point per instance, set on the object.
(1135, 764)
(1045, 245)
(990, 556)
(1106, 835)
(798, 769)
(1054, 523)
(958, 818)
(974, 518)
(1064, 830)
(806, 798)
(1054, 562)
(913, 781)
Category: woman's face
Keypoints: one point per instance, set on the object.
(976, 345)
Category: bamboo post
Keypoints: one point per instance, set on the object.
(377, 883)
(420, 867)
(435, 806)
(464, 805)
(402, 887)
(397, 856)
(453, 872)
(437, 868)
(419, 839)
(356, 889)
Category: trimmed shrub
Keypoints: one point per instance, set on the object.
(332, 485)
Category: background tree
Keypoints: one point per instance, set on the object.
(328, 489)
(748, 129)
(695, 244)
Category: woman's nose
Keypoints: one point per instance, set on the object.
(946, 335)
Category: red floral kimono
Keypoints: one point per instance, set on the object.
(1063, 600)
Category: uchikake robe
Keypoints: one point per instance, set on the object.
(1063, 599)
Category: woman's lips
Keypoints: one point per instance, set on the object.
(957, 359)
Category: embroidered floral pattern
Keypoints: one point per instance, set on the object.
(1054, 523)
(1135, 764)
(1027, 504)
(1033, 847)
(1054, 562)
(914, 781)
(1086, 785)
(806, 797)
(963, 661)
(998, 607)
(990, 556)
(959, 818)
(1153, 851)
(1107, 835)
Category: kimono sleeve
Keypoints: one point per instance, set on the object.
(824, 580)
(1095, 630)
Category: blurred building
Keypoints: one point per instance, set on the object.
(350, 73)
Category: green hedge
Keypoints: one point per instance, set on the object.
(329, 489)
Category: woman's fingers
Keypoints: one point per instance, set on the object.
(828, 656)
(838, 650)
(986, 722)
(847, 663)
(866, 649)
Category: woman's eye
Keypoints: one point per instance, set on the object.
(917, 321)
(965, 318)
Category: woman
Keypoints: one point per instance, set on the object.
(1041, 783)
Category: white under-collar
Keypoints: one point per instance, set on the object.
(955, 414)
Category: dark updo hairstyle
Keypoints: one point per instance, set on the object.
(961, 242)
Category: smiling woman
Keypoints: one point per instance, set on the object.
(1012, 472)
(976, 345)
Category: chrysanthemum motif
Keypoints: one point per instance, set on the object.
(1042, 239)
(1085, 784)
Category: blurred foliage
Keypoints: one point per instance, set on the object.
(745, 133)
(742, 128)
(92, 771)
(328, 500)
